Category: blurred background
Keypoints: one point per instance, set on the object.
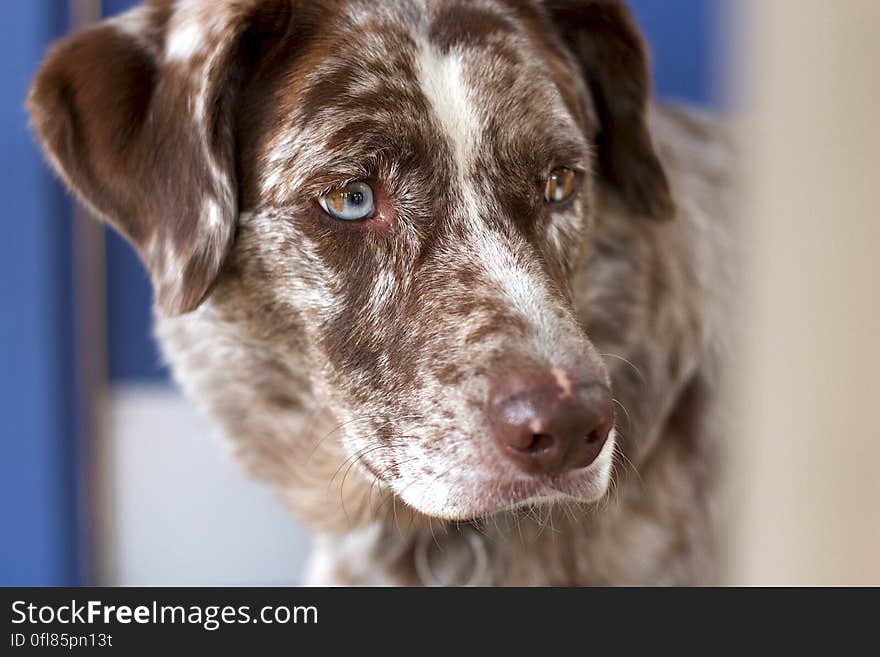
(107, 476)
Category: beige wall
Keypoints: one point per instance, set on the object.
(806, 457)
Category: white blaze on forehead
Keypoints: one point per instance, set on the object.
(443, 83)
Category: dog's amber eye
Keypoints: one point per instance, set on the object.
(560, 185)
(353, 202)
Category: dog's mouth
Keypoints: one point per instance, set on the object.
(544, 434)
(469, 493)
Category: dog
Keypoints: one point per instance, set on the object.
(442, 272)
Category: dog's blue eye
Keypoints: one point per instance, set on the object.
(353, 202)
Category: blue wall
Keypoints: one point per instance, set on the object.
(684, 37)
(40, 532)
(38, 495)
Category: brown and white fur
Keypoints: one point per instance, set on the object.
(350, 363)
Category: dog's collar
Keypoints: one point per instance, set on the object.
(475, 555)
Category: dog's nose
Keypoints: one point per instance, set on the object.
(549, 422)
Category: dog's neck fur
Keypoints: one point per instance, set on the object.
(654, 303)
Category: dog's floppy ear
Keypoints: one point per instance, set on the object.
(604, 39)
(136, 115)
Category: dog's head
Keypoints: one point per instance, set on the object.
(411, 184)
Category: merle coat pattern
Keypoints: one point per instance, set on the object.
(350, 362)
